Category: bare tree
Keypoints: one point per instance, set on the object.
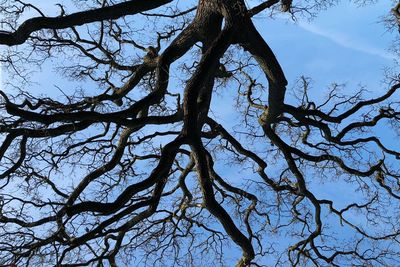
(128, 169)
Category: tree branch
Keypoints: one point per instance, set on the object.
(110, 12)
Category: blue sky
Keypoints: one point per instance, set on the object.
(344, 44)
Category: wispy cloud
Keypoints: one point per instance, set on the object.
(346, 41)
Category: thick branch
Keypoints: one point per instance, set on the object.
(111, 12)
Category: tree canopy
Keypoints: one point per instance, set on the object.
(131, 167)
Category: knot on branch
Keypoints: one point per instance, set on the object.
(244, 261)
(152, 53)
(222, 72)
(286, 5)
(269, 115)
(263, 119)
(396, 13)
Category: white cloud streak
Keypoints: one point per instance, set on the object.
(346, 41)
